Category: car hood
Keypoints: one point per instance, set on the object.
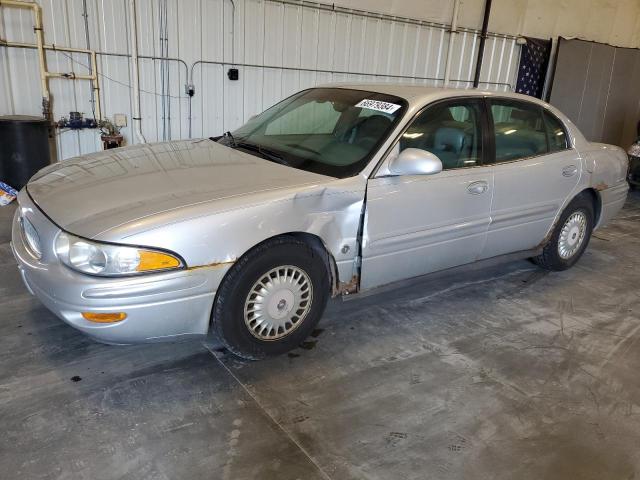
(94, 193)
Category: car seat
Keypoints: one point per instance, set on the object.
(370, 130)
(451, 146)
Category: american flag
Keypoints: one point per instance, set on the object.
(533, 66)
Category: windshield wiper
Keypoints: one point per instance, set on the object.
(265, 153)
(230, 137)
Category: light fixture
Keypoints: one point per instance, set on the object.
(111, 260)
(104, 317)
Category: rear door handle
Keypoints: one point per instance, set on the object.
(569, 170)
(477, 188)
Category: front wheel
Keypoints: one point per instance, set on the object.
(271, 299)
(570, 236)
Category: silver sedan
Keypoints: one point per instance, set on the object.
(333, 191)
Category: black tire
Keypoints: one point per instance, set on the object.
(550, 257)
(229, 307)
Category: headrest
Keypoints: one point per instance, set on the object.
(373, 126)
(449, 139)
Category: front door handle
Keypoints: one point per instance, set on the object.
(477, 188)
(569, 170)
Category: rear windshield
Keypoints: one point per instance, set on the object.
(331, 131)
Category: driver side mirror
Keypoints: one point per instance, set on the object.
(415, 161)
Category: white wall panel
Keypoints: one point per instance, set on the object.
(278, 48)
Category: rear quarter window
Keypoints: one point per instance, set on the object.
(556, 132)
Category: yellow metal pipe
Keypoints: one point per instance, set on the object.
(96, 85)
(94, 66)
(67, 49)
(37, 10)
(70, 76)
(45, 46)
(42, 59)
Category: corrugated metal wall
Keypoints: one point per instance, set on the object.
(279, 47)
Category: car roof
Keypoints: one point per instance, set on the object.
(420, 94)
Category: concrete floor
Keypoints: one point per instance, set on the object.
(504, 373)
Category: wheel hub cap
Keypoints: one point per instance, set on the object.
(281, 304)
(278, 302)
(572, 235)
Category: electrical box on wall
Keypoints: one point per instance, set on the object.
(233, 74)
(120, 120)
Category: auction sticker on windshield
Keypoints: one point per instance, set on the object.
(378, 105)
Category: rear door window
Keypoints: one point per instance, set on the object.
(519, 130)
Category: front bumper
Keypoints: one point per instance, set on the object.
(159, 307)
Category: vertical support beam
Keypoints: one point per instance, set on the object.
(452, 37)
(483, 38)
(133, 30)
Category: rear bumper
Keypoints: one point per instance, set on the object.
(159, 307)
(613, 199)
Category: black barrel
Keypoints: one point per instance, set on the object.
(24, 148)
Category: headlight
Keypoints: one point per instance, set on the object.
(31, 237)
(111, 260)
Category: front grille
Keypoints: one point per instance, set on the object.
(31, 238)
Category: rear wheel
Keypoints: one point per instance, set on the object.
(271, 299)
(570, 236)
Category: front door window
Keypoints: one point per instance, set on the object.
(451, 131)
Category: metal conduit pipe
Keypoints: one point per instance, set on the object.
(337, 72)
(133, 32)
(381, 16)
(483, 38)
(92, 92)
(452, 38)
(233, 32)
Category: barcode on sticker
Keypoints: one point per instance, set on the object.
(378, 105)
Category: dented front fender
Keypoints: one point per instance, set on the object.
(211, 235)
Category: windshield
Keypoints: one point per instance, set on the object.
(331, 131)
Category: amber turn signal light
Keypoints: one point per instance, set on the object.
(104, 317)
(156, 261)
